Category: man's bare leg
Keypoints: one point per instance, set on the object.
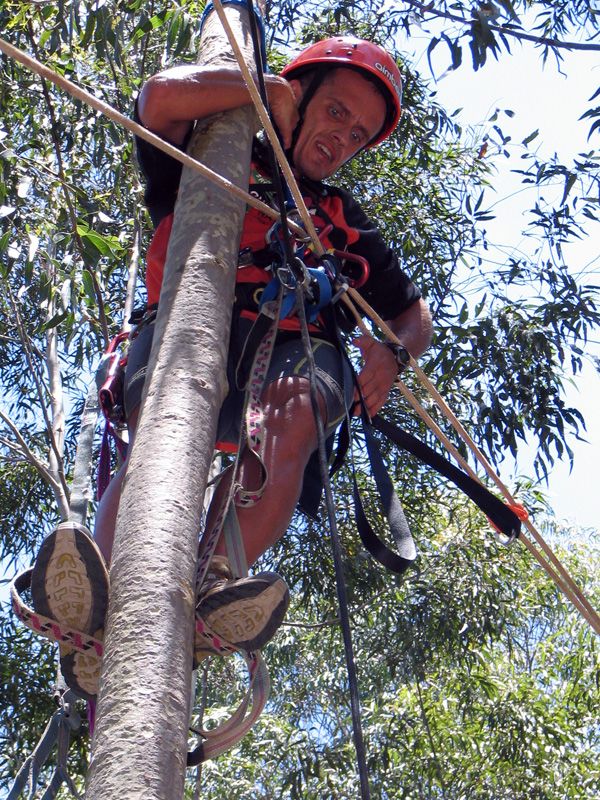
(290, 440)
(108, 507)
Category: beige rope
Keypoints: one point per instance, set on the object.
(561, 577)
(551, 565)
(139, 130)
(270, 131)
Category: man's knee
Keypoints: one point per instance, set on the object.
(287, 401)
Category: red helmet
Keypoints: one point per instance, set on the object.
(347, 51)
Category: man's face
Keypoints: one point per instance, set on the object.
(344, 114)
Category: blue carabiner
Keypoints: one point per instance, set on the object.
(321, 289)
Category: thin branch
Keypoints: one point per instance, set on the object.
(40, 391)
(436, 759)
(201, 709)
(132, 272)
(25, 451)
(67, 195)
(326, 624)
(529, 37)
(55, 387)
(145, 45)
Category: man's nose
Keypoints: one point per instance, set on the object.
(340, 135)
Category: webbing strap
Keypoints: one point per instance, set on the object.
(228, 733)
(50, 628)
(250, 437)
(336, 546)
(58, 732)
(234, 544)
(406, 551)
(500, 515)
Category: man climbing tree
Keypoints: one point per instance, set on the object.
(467, 619)
(338, 97)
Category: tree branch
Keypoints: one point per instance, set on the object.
(425, 719)
(55, 386)
(132, 272)
(529, 37)
(25, 451)
(40, 392)
(315, 626)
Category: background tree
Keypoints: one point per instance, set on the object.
(477, 680)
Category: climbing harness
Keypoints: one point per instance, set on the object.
(110, 392)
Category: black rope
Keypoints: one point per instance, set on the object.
(276, 176)
(336, 545)
(278, 183)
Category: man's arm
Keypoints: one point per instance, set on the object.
(171, 100)
(414, 329)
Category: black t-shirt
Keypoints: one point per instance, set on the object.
(388, 290)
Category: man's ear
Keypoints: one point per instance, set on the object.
(296, 89)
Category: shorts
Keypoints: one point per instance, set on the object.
(333, 377)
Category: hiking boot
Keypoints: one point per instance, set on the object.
(244, 612)
(69, 584)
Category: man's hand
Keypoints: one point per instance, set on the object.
(378, 374)
(283, 105)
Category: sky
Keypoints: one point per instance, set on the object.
(542, 98)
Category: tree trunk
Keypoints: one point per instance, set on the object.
(140, 743)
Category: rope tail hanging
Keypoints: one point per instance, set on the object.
(336, 545)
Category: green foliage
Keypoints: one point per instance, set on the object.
(477, 680)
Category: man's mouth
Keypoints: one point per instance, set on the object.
(325, 151)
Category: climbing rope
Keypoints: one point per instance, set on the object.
(336, 546)
(138, 130)
(265, 119)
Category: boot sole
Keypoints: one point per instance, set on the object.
(248, 612)
(69, 584)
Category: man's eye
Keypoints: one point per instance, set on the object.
(357, 137)
(334, 111)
